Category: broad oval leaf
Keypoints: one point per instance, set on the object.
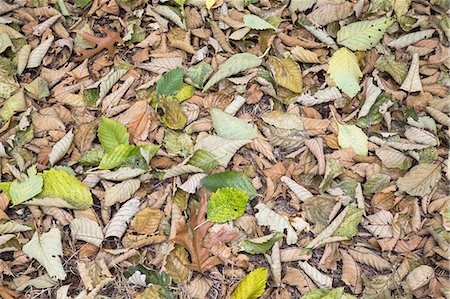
(364, 35)
(420, 180)
(354, 137)
(233, 179)
(230, 127)
(111, 133)
(235, 64)
(255, 22)
(116, 156)
(121, 192)
(226, 204)
(287, 73)
(252, 286)
(87, 230)
(344, 71)
(171, 82)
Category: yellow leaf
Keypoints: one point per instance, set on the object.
(252, 286)
(210, 3)
(287, 73)
(344, 71)
(147, 221)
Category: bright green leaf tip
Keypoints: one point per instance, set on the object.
(226, 204)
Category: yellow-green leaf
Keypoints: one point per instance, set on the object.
(344, 71)
(226, 204)
(111, 134)
(349, 226)
(116, 156)
(354, 137)
(60, 184)
(210, 3)
(27, 189)
(252, 286)
(287, 73)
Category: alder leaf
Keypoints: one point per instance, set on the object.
(363, 35)
(255, 22)
(47, 249)
(60, 148)
(171, 82)
(230, 127)
(379, 224)
(31, 186)
(226, 204)
(233, 179)
(252, 286)
(235, 64)
(344, 71)
(287, 73)
(117, 155)
(118, 224)
(222, 149)
(262, 244)
(60, 184)
(420, 180)
(85, 229)
(111, 133)
(354, 137)
(121, 192)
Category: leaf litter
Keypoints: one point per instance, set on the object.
(224, 149)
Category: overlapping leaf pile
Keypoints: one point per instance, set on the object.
(224, 149)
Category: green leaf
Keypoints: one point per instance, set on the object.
(82, 3)
(255, 22)
(111, 133)
(38, 89)
(363, 35)
(333, 169)
(376, 183)
(226, 204)
(230, 127)
(344, 71)
(178, 144)
(60, 184)
(396, 69)
(235, 64)
(171, 82)
(354, 137)
(92, 157)
(349, 226)
(203, 160)
(47, 250)
(287, 73)
(173, 118)
(197, 74)
(27, 189)
(116, 156)
(252, 286)
(91, 95)
(261, 245)
(15, 103)
(233, 179)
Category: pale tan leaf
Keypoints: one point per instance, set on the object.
(439, 116)
(412, 81)
(40, 282)
(181, 169)
(276, 222)
(301, 192)
(38, 30)
(38, 53)
(118, 224)
(13, 227)
(121, 174)
(235, 105)
(22, 58)
(316, 147)
(283, 120)
(421, 136)
(162, 65)
(351, 273)
(147, 221)
(420, 180)
(410, 38)
(191, 111)
(327, 232)
(199, 287)
(275, 263)
(392, 158)
(289, 140)
(296, 277)
(60, 215)
(60, 148)
(113, 99)
(419, 277)
(262, 146)
(372, 93)
(369, 258)
(331, 11)
(303, 55)
(87, 230)
(121, 192)
(314, 127)
(193, 183)
(379, 224)
(320, 279)
(223, 149)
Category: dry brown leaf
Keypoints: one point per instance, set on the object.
(147, 221)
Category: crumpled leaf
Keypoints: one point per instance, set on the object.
(235, 64)
(178, 144)
(262, 244)
(343, 69)
(354, 137)
(252, 286)
(349, 226)
(230, 127)
(278, 223)
(47, 249)
(226, 204)
(31, 186)
(233, 179)
(363, 35)
(287, 73)
(420, 180)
